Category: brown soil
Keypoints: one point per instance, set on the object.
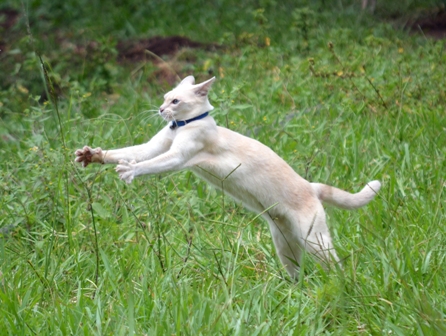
(8, 18)
(136, 50)
(431, 24)
(152, 49)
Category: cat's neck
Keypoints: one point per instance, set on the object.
(180, 123)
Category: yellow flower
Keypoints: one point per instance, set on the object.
(400, 50)
(267, 41)
(207, 64)
(22, 89)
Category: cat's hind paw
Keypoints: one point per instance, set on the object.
(126, 170)
(89, 155)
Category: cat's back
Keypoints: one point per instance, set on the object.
(253, 154)
(254, 168)
(225, 149)
(243, 144)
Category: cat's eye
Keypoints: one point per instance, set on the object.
(175, 101)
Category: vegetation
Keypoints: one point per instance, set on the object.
(345, 96)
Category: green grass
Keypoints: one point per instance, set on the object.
(82, 253)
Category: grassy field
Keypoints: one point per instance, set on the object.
(343, 96)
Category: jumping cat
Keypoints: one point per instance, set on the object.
(260, 179)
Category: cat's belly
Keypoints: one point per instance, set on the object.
(223, 174)
(251, 172)
(231, 185)
(250, 182)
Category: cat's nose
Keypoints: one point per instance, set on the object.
(161, 110)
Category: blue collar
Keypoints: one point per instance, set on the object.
(180, 123)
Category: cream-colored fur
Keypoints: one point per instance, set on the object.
(260, 179)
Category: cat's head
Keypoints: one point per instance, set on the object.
(187, 100)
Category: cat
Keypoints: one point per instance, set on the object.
(258, 177)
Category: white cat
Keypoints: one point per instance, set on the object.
(260, 179)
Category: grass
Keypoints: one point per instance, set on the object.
(343, 96)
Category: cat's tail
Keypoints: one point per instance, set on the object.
(343, 199)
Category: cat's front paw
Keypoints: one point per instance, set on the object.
(89, 155)
(126, 170)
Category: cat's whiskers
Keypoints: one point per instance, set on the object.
(148, 118)
(153, 114)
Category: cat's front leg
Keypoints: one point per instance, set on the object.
(170, 161)
(159, 144)
(184, 148)
(126, 170)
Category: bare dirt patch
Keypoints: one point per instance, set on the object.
(177, 48)
(430, 24)
(135, 50)
(8, 18)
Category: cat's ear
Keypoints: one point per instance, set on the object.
(189, 80)
(202, 89)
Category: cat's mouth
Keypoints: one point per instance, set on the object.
(166, 115)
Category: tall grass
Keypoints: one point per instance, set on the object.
(341, 96)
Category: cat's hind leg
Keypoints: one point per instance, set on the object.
(292, 235)
(316, 237)
(287, 245)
